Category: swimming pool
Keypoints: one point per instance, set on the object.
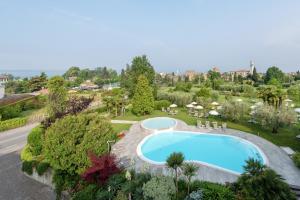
(224, 152)
(158, 123)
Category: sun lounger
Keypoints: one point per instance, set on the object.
(224, 126)
(298, 136)
(288, 150)
(215, 125)
(207, 125)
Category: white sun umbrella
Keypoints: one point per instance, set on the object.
(239, 100)
(213, 112)
(173, 106)
(189, 106)
(253, 107)
(297, 110)
(288, 100)
(259, 103)
(199, 107)
(194, 103)
(215, 103)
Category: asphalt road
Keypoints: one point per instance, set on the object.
(14, 185)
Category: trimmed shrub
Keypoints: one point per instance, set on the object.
(159, 188)
(9, 112)
(88, 193)
(213, 191)
(158, 105)
(27, 166)
(182, 86)
(26, 154)
(42, 167)
(63, 180)
(296, 159)
(196, 195)
(35, 140)
(12, 123)
(69, 139)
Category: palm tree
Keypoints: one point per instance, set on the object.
(254, 167)
(175, 161)
(189, 170)
(261, 182)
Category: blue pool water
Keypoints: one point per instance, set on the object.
(159, 123)
(222, 151)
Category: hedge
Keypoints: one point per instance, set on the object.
(296, 159)
(12, 123)
(35, 140)
(26, 154)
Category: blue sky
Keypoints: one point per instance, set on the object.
(174, 34)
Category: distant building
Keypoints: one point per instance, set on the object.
(216, 69)
(3, 80)
(191, 75)
(88, 85)
(242, 72)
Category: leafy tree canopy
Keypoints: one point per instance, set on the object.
(274, 73)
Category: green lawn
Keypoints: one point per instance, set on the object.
(120, 127)
(285, 137)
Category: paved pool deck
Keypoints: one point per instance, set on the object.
(126, 151)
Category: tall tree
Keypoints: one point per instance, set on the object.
(274, 73)
(255, 75)
(57, 98)
(72, 71)
(143, 100)
(140, 66)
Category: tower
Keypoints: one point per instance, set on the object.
(2, 90)
(251, 67)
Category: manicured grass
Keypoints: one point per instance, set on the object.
(120, 127)
(285, 137)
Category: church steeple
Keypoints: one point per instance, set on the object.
(251, 67)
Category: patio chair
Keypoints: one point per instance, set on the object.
(224, 126)
(200, 115)
(207, 125)
(215, 125)
(195, 114)
(175, 112)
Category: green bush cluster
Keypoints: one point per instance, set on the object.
(69, 139)
(12, 123)
(42, 167)
(26, 154)
(179, 98)
(27, 166)
(35, 140)
(296, 159)
(158, 105)
(212, 191)
(184, 87)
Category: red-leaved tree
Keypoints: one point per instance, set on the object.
(102, 168)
